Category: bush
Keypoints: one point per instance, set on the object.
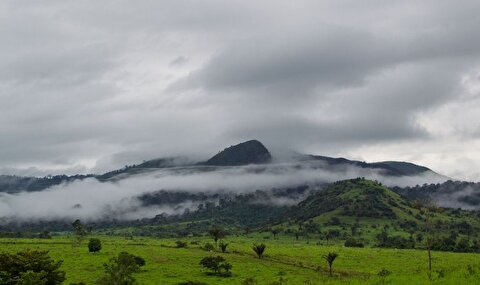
(181, 244)
(223, 246)
(30, 267)
(140, 261)
(353, 243)
(217, 264)
(209, 247)
(120, 269)
(94, 245)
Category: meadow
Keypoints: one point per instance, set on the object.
(286, 261)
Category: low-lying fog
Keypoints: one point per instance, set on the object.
(92, 200)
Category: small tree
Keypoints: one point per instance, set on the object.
(259, 249)
(430, 212)
(119, 270)
(223, 246)
(94, 245)
(79, 231)
(217, 234)
(330, 258)
(274, 233)
(217, 264)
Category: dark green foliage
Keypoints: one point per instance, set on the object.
(223, 246)
(209, 247)
(140, 261)
(120, 270)
(353, 243)
(35, 267)
(259, 249)
(450, 244)
(79, 231)
(384, 240)
(45, 235)
(426, 191)
(330, 258)
(383, 274)
(181, 244)
(13, 183)
(94, 245)
(217, 264)
(217, 234)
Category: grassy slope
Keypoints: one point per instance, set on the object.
(295, 261)
(374, 205)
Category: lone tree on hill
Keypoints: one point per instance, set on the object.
(259, 249)
(94, 245)
(330, 258)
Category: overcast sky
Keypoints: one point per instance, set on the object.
(88, 86)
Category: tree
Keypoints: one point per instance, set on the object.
(94, 245)
(79, 231)
(330, 258)
(217, 264)
(431, 210)
(30, 267)
(275, 233)
(259, 249)
(217, 234)
(223, 246)
(119, 270)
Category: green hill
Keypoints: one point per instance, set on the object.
(371, 213)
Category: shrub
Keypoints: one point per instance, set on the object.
(120, 269)
(217, 264)
(223, 246)
(94, 245)
(139, 261)
(353, 243)
(208, 247)
(383, 274)
(181, 244)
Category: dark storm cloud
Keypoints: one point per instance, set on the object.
(93, 86)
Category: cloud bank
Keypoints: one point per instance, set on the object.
(93, 200)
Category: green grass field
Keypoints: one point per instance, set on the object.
(286, 260)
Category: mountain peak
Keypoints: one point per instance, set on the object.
(249, 152)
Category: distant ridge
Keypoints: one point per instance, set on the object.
(249, 152)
